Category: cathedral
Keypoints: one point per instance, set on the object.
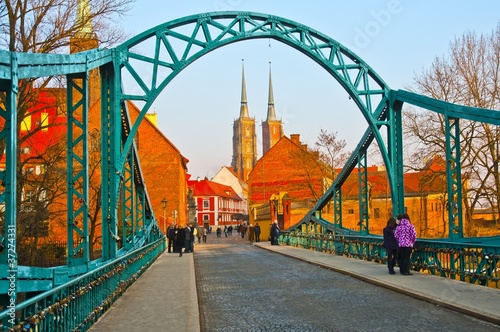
(244, 135)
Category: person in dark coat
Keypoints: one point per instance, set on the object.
(275, 233)
(256, 232)
(180, 237)
(188, 233)
(171, 236)
(391, 244)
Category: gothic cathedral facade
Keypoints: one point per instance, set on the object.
(244, 135)
(244, 138)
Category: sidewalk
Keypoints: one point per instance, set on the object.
(474, 300)
(164, 298)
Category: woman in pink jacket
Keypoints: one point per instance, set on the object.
(406, 235)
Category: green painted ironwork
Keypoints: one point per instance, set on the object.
(126, 208)
(363, 194)
(77, 304)
(78, 176)
(472, 262)
(454, 176)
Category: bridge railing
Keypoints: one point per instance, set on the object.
(76, 305)
(468, 262)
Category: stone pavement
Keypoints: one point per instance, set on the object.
(474, 300)
(165, 297)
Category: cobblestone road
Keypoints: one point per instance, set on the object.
(244, 288)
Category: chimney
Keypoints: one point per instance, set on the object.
(295, 138)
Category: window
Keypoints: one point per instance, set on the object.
(206, 204)
(350, 211)
(30, 194)
(206, 217)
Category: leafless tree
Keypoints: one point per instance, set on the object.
(332, 152)
(50, 26)
(469, 75)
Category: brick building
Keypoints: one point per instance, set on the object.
(288, 167)
(164, 169)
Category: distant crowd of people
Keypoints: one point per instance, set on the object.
(181, 239)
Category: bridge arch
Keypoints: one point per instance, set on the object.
(176, 44)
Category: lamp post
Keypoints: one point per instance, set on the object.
(164, 206)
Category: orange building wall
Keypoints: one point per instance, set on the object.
(280, 171)
(164, 170)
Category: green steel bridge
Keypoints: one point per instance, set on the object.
(73, 296)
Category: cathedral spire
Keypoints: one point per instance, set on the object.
(244, 106)
(83, 18)
(271, 114)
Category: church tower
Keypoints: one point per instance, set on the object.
(244, 137)
(272, 128)
(85, 39)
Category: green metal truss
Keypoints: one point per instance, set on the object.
(128, 220)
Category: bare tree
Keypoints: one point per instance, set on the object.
(332, 152)
(318, 167)
(469, 75)
(50, 26)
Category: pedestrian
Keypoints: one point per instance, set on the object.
(275, 233)
(225, 231)
(199, 233)
(171, 236)
(192, 229)
(406, 235)
(205, 232)
(250, 233)
(243, 230)
(187, 238)
(391, 244)
(256, 232)
(230, 230)
(218, 232)
(179, 239)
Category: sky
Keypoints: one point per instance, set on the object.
(398, 39)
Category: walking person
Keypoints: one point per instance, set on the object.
(205, 232)
(187, 238)
(275, 233)
(243, 230)
(171, 236)
(391, 244)
(406, 235)
(180, 236)
(193, 231)
(199, 233)
(256, 232)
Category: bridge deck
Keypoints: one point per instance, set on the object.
(165, 298)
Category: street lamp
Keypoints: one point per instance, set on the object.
(164, 206)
